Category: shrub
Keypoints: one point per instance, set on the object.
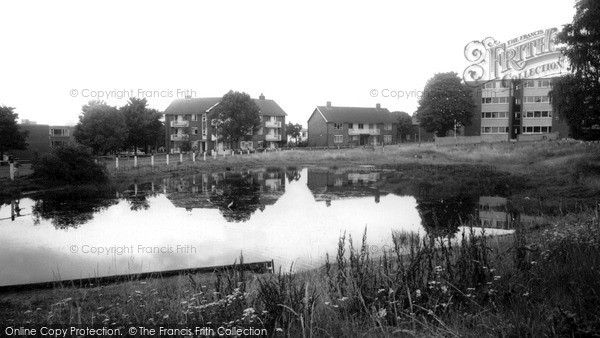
(71, 164)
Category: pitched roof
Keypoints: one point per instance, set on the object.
(356, 114)
(201, 105)
(191, 106)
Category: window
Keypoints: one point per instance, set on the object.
(538, 114)
(528, 84)
(371, 126)
(338, 126)
(544, 83)
(361, 126)
(490, 85)
(494, 130)
(260, 131)
(338, 138)
(494, 115)
(387, 126)
(204, 117)
(195, 130)
(194, 117)
(537, 129)
(350, 126)
(260, 144)
(486, 100)
(355, 138)
(387, 139)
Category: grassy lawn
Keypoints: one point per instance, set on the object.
(543, 280)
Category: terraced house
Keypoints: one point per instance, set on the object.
(190, 120)
(351, 126)
(517, 110)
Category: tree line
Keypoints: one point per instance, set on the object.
(107, 129)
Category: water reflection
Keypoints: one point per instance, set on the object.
(291, 216)
(72, 208)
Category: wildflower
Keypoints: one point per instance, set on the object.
(496, 277)
(279, 329)
(381, 290)
(418, 293)
(382, 313)
(444, 289)
(526, 294)
(343, 299)
(166, 316)
(327, 303)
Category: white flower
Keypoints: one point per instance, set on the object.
(382, 313)
(418, 293)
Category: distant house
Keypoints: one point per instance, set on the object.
(42, 138)
(190, 119)
(418, 133)
(301, 138)
(351, 126)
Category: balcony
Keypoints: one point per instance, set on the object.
(364, 131)
(180, 124)
(179, 137)
(273, 124)
(271, 137)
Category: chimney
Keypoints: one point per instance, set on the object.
(378, 106)
(328, 104)
(261, 97)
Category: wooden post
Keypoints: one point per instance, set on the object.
(194, 157)
(205, 156)
(135, 161)
(117, 162)
(167, 159)
(12, 171)
(180, 157)
(152, 161)
(12, 209)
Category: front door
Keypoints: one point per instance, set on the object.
(364, 139)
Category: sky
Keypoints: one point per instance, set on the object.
(56, 56)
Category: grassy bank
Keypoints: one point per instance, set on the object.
(543, 280)
(537, 282)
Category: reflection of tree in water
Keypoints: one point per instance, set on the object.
(292, 174)
(137, 196)
(441, 216)
(237, 196)
(70, 209)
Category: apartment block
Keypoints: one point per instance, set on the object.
(190, 119)
(351, 126)
(513, 110)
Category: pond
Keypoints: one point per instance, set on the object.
(291, 216)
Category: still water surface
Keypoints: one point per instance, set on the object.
(289, 216)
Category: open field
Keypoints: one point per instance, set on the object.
(541, 281)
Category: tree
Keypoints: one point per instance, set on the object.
(11, 138)
(576, 97)
(237, 117)
(404, 124)
(294, 131)
(101, 128)
(70, 164)
(445, 102)
(143, 124)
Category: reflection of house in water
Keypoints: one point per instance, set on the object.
(494, 212)
(236, 194)
(333, 185)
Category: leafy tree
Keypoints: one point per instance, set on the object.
(11, 138)
(404, 124)
(144, 127)
(236, 116)
(70, 164)
(294, 130)
(101, 128)
(445, 102)
(576, 97)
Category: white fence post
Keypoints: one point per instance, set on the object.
(194, 157)
(180, 157)
(205, 156)
(135, 161)
(152, 161)
(12, 171)
(117, 162)
(167, 159)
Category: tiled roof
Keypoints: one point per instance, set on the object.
(201, 105)
(357, 115)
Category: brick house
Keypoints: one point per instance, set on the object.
(351, 126)
(190, 119)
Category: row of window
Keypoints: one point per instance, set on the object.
(505, 99)
(538, 113)
(494, 100)
(544, 83)
(340, 126)
(526, 130)
(494, 130)
(537, 129)
(504, 115)
(387, 139)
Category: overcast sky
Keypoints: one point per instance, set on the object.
(56, 56)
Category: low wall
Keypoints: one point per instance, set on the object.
(537, 137)
(451, 140)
